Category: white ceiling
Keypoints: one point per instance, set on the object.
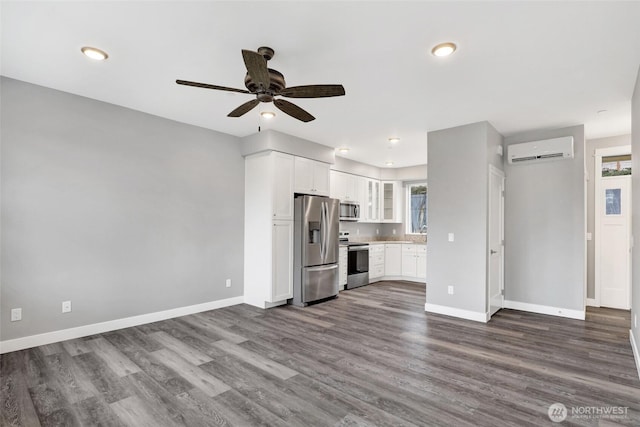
(520, 65)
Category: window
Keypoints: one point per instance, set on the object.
(616, 165)
(417, 208)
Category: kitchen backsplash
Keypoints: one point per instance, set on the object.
(383, 232)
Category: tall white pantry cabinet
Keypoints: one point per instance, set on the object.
(268, 229)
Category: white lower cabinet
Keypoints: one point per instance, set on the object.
(414, 261)
(393, 259)
(282, 261)
(376, 262)
(343, 259)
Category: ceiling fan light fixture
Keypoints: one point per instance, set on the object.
(394, 140)
(268, 115)
(94, 53)
(388, 163)
(444, 49)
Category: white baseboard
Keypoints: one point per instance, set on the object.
(456, 312)
(403, 278)
(112, 325)
(591, 302)
(636, 353)
(545, 309)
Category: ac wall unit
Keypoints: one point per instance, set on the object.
(548, 149)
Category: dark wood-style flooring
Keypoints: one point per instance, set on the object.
(371, 357)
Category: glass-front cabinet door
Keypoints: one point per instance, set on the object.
(373, 203)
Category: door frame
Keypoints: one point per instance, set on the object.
(500, 174)
(597, 204)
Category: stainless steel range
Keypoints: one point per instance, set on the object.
(358, 262)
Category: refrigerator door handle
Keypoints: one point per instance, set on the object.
(325, 236)
(322, 267)
(322, 233)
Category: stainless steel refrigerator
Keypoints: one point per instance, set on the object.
(315, 249)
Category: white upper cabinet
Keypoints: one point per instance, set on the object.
(345, 186)
(282, 188)
(391, 201)
(311, 177)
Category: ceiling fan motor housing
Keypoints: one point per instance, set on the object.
(276, 84)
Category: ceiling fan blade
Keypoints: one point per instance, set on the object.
(313, 91)
(293, 110)
(244, 108)
(257, 68)
(208, 86)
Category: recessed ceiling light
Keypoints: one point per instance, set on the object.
(343, 149)
(444, 49)
(94, 53)
(268, 115)
(394, 140)
(389, 163)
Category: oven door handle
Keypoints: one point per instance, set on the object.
(358, 248)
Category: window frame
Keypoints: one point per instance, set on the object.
(407, 218)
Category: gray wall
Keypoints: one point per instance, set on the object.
(458, 179)
(591, 147)
(121, 212)
(635, 185)
(545, 226)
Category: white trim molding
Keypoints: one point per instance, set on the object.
(545, 309)
(457, 312)
(636, 353)
(591, 302)
(112, 325)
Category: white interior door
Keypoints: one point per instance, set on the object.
(614, 239)
(496, 241)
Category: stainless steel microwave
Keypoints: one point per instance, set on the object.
(349, 211)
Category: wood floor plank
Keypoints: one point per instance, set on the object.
(256, 360)
(77, 346)
(17, 407)
(110, 387)
(188, 353)
(71, 380)
(116, 361)
(370, 357)
(200, 379)
(133, 411)
(219, 332)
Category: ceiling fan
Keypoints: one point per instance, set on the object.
(267, 83)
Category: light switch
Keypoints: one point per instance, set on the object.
(451, 237)
(588, 236)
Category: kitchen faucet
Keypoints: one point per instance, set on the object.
(423, 229)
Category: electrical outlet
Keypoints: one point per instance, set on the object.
(16, 314)
(357, 231)
(393, 231)
(66, 306)
(228, 283)
(451, 237)
(450, 290)
(377, 231)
